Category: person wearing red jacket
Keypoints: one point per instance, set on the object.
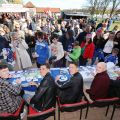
(87, 48)
(100, 86)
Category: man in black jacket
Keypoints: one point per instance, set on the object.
(45, 96)
(72, 90)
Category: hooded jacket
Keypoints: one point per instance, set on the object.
(42, 50)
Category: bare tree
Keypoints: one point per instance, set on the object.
(94, 5)
(115, 4)
(104, 5)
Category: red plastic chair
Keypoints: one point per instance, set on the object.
(35, 115)
(14, 116)
(117, 105)
(106, 103)
(72, 107)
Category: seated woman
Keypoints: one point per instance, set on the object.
(100, 85)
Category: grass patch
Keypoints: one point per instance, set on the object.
(113, 24)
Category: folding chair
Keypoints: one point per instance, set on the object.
(106, 103)
(42, 115)
(115, 104)
(72, 107)
(13, 116)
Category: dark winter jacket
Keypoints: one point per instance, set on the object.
(71, 91)
(45, 96)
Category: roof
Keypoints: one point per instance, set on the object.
(41, 9)
(29, 5)
(53, 10)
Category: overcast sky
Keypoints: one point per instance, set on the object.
(63, 4)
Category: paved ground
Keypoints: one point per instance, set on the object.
(93, 114)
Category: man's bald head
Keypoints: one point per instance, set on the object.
(101, 67)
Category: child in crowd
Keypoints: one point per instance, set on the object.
(109, 58)
(41, 49)
(75, 54)
(113, 57)
(57, 52)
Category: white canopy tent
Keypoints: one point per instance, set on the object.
(13, 8)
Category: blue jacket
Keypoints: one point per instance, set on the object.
(111, 58)
(42, 50)
(100, 54)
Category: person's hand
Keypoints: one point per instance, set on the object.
(32, 83)
(89, 61)
(57, 78)
(10, 45)
(47, 61)
(116, 43)
(18, 81)
(86, 43)
(96, 61)
(54, 60)
(87, 95)
(118, 72)
(65, 53)
(10, 76)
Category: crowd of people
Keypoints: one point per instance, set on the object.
(48, 40)
(49, 43)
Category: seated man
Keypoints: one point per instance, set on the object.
(10, 98)
(72, 90)
(45, 96)
(115, 86)
(101, 82)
